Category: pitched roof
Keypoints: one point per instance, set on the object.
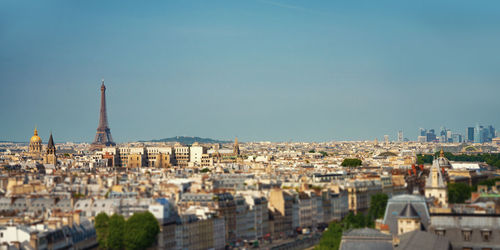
(51, 142)
(396, 204)
(365, 238)
(409, 212)
(417, 240)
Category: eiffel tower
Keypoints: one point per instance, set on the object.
(103, 136)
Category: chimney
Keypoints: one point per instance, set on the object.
(33, 240)
(76, 218)
(495, 187)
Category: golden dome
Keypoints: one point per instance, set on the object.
(35, 137)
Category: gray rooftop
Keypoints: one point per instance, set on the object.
(365, 238)
(395, 206)
(418, 240)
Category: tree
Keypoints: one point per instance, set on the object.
(458, 192)
(141, 231)
(101, 229)
(489, 182)
(116, 229)
(331, 238)
(205, 170)
(351, 162)
(323, 153)
(378, 203)
(424, 159)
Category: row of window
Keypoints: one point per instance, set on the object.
(466, 234)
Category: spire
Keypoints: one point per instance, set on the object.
(103, 136)
(35, 132)
(51, 141)
(441, 153)
(103, 87)
(51, 148)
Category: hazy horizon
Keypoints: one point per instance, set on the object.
(262, 70)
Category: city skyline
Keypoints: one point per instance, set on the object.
(259, 70)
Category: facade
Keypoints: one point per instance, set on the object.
(194, 232)
(196, 153)
(360, 192)
(468, 231)
(408, 220)
(281, 213)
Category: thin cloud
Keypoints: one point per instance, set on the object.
(284, 5)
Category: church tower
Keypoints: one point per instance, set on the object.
(35, 146)
(51, 157)
(236, 147)
(435, 185)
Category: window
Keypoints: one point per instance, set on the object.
(466, 234)
(440, 232)
(486, 234)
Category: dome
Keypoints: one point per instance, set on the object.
(35, 137)
(442, 161)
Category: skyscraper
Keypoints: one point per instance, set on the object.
(492, 132)
(400, 135)
(470, 134)
(422, 131)
(103, 136)
(431, 135)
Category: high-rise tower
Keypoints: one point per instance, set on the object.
(103, 136)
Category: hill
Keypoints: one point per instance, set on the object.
(187, 140)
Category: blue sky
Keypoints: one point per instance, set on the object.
(257, 69)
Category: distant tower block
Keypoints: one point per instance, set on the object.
(103, 136)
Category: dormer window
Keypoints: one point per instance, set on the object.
(466, 234)
(440, 232)
(486, 234)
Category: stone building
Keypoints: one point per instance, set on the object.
(435, 186)
(50, 157)
(408, 220)
(35, 146)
